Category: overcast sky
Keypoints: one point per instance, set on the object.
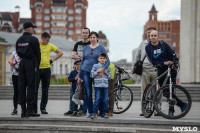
(122, 21)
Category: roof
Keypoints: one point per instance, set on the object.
(6, 16)
(153, 9)
(60, 42)
(59, 3)
(23, 20)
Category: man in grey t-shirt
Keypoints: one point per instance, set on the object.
(148, 72)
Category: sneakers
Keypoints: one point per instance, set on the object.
(68, 113)
(14, 112)
(141, 114)
(106, 116)
(183, 107)
(170, 113)
(80, 113)
(110, 114)
(32, 114)
(94, 115)
(89, 115)
(74, 114)
(44, 111)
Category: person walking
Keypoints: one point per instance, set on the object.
(44, 70)
(15, 73)
(100, 87)
(28, 49)
(89, 58)
(148, 71)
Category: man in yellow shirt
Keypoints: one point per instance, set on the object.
(44, 70)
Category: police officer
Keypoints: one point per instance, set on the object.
(28, 49)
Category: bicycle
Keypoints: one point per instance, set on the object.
(123, 94)
(171, 101)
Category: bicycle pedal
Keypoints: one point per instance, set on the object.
(148, 110)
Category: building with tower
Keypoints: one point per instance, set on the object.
(169, 31)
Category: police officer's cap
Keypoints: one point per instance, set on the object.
(28, 24)
(77, 60)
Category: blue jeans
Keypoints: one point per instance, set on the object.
(101, 96)
(73, 106)
(88, 89)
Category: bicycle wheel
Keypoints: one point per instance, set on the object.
(147, 102)
(123, 99)
(176, 107)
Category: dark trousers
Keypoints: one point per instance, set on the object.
(27, 82)
(15, 86)
(44, 76)
(111, 96)
(166, 91)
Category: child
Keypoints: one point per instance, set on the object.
(73, 77)
(101, 87)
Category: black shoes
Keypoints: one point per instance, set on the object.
(68, 113)
(14, 112)
(44, 111)
(141, 114)
(32, 114)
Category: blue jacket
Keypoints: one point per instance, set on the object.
(100, 81)
(71, 79)
(157, 55)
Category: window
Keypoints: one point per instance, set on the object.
(70, 32)
(174, 36)
(60, 69)
(145, 36)
(70, 18)
(70, 11)
(46, 25)
(78, 38)
(78, 11)
(66, 69)
(39, 17)
(38, 9)
(71, 25)
(78, 31)
(167, 35)
(58, 9)
(38, 30)
(47, 11)
(46, 18)
(58, 30)
(39, 23)
(78, 24)
(58, 24)
(78, 17)
(47, 31)
(153, 17)
(174, 44)
(58, 16)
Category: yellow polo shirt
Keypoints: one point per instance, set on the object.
(45, 50)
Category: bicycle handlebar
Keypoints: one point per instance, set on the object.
(121, 71)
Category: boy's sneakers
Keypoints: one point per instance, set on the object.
(80, 113)
(94, 115)
(74, 114)
(106, 116)
(111, 114)
(183, 107)
(44, 111)
(89, 115)
(68, 113)
(14, 112)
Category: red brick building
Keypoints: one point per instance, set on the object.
(169, 31)
(60, 17)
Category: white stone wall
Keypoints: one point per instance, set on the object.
(190, 41)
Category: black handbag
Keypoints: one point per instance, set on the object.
(79, 93)
(138, 66)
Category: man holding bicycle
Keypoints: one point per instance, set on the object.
(161, 55)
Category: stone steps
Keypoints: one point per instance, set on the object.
(62, 92)
(77, 125)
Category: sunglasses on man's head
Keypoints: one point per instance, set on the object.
(91, 51)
